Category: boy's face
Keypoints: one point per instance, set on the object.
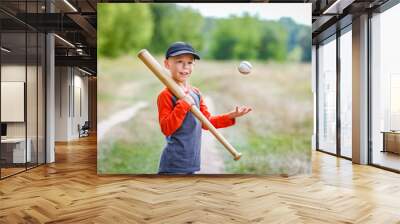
(180, 66)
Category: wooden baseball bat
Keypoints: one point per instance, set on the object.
(163, 75)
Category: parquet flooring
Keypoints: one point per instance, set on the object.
(70, 191)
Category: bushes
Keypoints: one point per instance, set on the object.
(123, 28)
(126, 28)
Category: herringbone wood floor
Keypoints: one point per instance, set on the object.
(69, 191)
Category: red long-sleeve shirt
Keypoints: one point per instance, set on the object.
(171, 118)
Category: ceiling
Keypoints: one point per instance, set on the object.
(74, 22)
(330, 15)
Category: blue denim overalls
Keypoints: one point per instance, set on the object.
(182, 152)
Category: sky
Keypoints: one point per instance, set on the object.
(299, 12)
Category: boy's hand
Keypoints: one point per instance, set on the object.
(238, 112)
(189, 99)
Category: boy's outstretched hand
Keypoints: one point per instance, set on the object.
(239, 111)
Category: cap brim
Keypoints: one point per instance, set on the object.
(185, 52)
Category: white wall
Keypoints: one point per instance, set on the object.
(33, 125)
(62, 81)
(81, 100)
(71, 93)
(12, 73)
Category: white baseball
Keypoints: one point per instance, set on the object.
(245, 67)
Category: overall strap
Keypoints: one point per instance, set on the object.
(174, 98)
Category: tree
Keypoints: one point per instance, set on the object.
(292, 29)
(223, 39)
(176, 24)
(299, 38)
(160, 12)
(305, 43)
(273, 44)
(123, 28)
(236, 38)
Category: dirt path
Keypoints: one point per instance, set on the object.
(211, 160)
(118, 117)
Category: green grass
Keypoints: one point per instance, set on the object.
(104, 97)
(133, 147)
(272, 154)
(127, 158)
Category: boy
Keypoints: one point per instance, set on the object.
(182, 129)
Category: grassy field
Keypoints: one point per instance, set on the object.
(274, 138)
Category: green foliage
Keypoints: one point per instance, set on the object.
(305, 43)
(123, 28)
(299, 36)
(292, 29)
(175, 24)
(224, 39)
(236, 38)
(160, 12)
(126, 28)
(248, 37)
(273, 42)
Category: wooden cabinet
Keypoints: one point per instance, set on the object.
(391, 142)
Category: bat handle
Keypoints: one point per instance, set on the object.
(236, 155)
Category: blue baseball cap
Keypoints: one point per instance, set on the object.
(179, 48)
